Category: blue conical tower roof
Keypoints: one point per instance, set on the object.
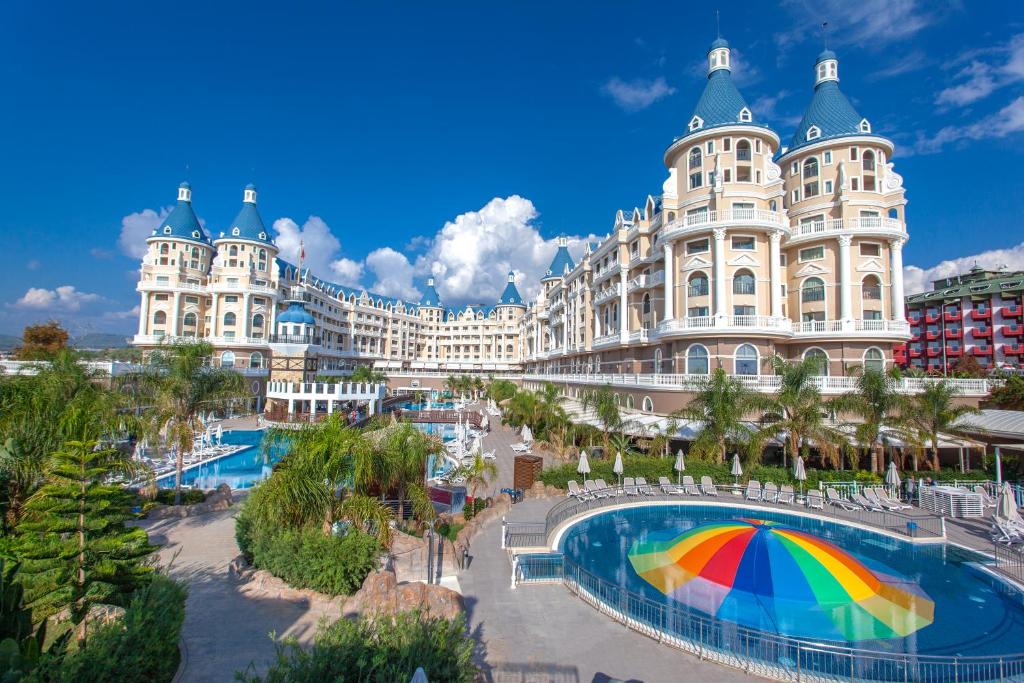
(248, 225)
(829, 111)
(721, 103)
(181, 222)
(430, 296)
(561, 262)
(510, 297)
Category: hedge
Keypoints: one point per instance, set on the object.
(381, 651)
(141, 646)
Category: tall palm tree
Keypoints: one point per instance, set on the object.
(797, 409)
(398, 462)
(605, 404)
(879, 405)
(720, 406)
(181, 386)
(478, 473)
(478, 386)
(933, 411)
(660, 437)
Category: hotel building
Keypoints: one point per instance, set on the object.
(751, 249)
(977, 314)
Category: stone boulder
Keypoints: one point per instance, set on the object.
(498, 508)
(382, 595)
(539, 490)
(220, 499)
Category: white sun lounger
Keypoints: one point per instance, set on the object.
(786, 495)
(986, 500)
(689, 487)
(753, 490)
(593, 489)
(888, 500)
(872, 497)
(865, 503)
(708, 486)
(629, 486)
(814, 500)
(520, 447)
(770, 493)
(668, 487)
(643, 487)
(833, 498)
(576, 492)
(604, 490)
(1005, 531)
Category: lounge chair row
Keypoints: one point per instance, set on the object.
(873, 498)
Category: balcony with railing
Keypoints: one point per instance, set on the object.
(872, 292)
(312, 339)
(1014, 311)
(1013, 349)
(870, 224)
(933, 351)
(1014, 330)
(954, 351)
(606, 340)
(608, 293)
(646, 280)
(982, 350)
(915, 352)
(812, 294)
(700, 289)
(703, 220)
(952, 315)
(984, 332)
(932, 316)
(734, 323)
(983, 313)
(932, 334)
(953, 333)
(864, 327)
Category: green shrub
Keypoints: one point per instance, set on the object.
(308, 558)
(449, 530)
(188, 496)
(382, 651)
(243, 532)
(142, 646)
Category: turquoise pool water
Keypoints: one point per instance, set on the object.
(974, 613)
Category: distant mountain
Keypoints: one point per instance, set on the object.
(99, 340)
(9, 341)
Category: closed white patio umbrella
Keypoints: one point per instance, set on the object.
(1007, 505)
(617, 467)
(737, 468)
(679, 467)
(799, 473)
(892, 478)
(584, 466)
(527, 434)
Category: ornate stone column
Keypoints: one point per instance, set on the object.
(623, 307)
(845, 287)
(775, 272)
(176, 315)
(670, 282)
(721, 313)
(896, 278)
(144, 313)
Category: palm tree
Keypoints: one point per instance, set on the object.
(660, 438)
(397, 464)
(478, 473)
(605, 404)
(181, 386)
(478, 386)
(522, 408)
(797, 409)
(932, 411)
(720, 406)
(878, 403)
(367, 375)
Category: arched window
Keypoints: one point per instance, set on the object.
(229, 318)
(195, 253)
(257, 321)
(813, 289)
(743, 150)
(657, 361)
(647, 405)
(811, 177)
(698, 285)
(743, 283)
(189, 320)
(697, 360)
(263, 259)
(160, 318)
(746, 360)
(871, 288)
(647, 303)
(227, 359)
(255, 359)
(629, 401)
(867, 161)
(821, 370)
(696, 159)
(165, 249)
(874, 359)
(233, 250)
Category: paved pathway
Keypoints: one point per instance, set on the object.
(224, 630)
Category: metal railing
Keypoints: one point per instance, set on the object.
(524, 534)
(773, 655)
(1009, 561)
(929, 527)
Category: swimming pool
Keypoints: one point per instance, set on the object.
(928, 600)
(241, 470)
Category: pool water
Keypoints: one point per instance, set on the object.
(428, 405)
(241, 470)
(974, 613)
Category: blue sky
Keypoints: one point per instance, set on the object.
(456, 139)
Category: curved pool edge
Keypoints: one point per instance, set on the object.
(556, 534)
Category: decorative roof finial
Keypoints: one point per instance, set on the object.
(250, 194)
(185, 192)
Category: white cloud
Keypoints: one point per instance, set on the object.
(63, 298)
(347, 272)
(985, 72)
(319, 244)
(766, 108)
(136, 227)
(394, 274)
(914, 61)
(869, 23)
(916, 279)
(1006, 121)
(130, 314)
(743, 72)
(638, 93)
(33, 264)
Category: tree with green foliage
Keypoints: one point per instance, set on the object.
(501, 389)
(40, 412)
(76, 549)
(1009, 395)
(879, 404)
(605, 404)
(479, 472)
(181, 386)
(797, 409)
(933, 411)
(367, 375)
(721, 406)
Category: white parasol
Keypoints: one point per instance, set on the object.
(679, 466)
(584, 466)
(617, 467)
(799, 473)
(737, 469)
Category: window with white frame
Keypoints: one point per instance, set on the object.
(812, 254)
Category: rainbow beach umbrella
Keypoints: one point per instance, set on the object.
(772, 577)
